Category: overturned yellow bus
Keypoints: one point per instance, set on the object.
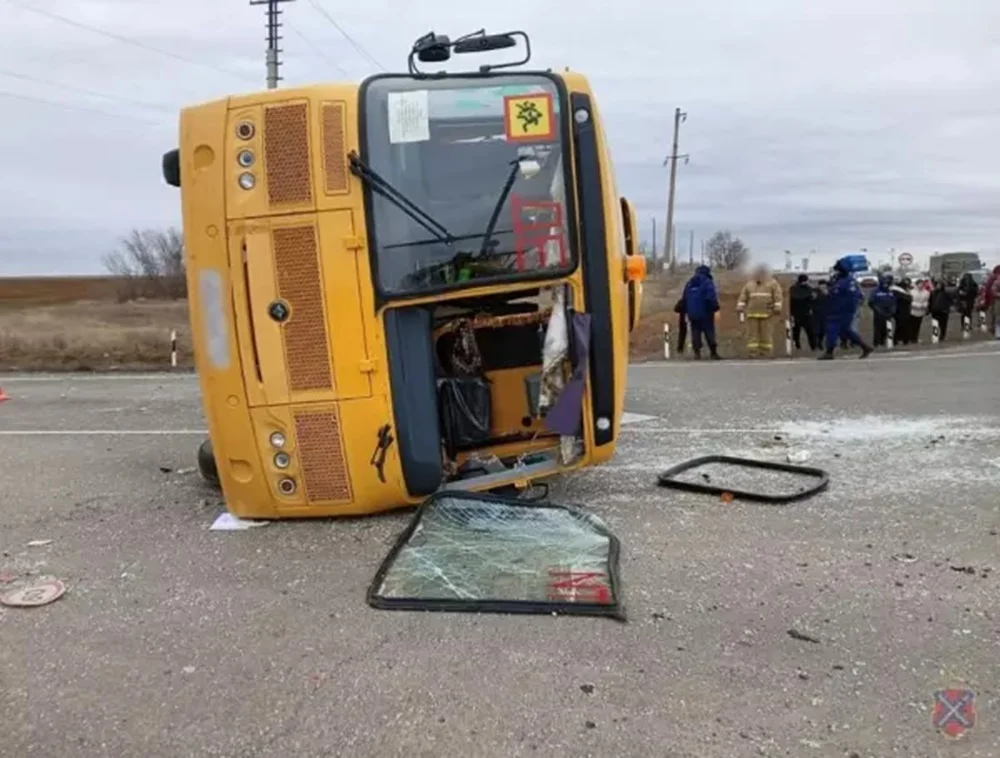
(425, 281)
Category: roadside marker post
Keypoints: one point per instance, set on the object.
(935, 331)
(666, 341)
(173, 349)
(788, 336)
(890, 334)
(982, 322)
(966, 327)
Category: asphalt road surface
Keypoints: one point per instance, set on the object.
(173, 640)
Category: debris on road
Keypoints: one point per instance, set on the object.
(672, 478)
(795, 634)
(799, 456)
(39, 543)
(905, 557)
(227, 522)
(481, 553)
(587, 689)
(33, 595)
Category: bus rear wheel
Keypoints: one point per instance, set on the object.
(206, 464)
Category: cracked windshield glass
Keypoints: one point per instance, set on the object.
(476, 179)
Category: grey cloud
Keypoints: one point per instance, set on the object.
(812, 126)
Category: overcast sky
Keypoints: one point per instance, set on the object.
(822, 125)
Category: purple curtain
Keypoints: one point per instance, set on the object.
(566, 416)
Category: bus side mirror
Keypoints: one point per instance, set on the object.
(635, 263)
(172, 168)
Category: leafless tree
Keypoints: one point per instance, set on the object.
(723, 250)
(150, 263)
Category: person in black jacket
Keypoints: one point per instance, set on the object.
(904, 299)
(968, 291)
(800, 302)
(940, 306)
(820, 309)
(882, 301)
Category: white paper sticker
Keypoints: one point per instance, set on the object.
(409, 120)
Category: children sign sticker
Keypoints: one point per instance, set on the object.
(529, 118)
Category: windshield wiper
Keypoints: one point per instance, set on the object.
(380, 186)
(508, 185)
(435, 240)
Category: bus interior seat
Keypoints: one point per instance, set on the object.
(412, 376)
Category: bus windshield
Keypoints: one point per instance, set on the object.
(481, 158)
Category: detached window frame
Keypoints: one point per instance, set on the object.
(372, 105)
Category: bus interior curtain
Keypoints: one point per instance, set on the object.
(566, 416)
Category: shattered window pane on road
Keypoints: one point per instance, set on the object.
(480, 553)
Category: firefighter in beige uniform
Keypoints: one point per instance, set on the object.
(760, 301)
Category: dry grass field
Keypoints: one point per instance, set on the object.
(77, 324)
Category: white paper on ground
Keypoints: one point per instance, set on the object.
(409, 117)
(227, 522)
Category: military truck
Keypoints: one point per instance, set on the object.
(953, 265)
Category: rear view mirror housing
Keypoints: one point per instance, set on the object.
(432, 48)
(483, 43)
(438, 48)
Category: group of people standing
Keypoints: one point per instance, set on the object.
(828, 313)
(825, 314)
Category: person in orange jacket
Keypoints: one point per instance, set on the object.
(759, 301)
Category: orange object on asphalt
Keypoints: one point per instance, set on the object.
(4, 397)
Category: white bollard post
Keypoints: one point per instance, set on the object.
(982, 322)
(966, 327)
(743, 318)
(890, 334)
(935, 331)
(666, 341)
(173, 348)
(788, 336)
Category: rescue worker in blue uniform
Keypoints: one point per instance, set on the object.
(882, 301)
(845, 299)
(701, 301)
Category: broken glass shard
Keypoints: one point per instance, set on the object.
(481, 553)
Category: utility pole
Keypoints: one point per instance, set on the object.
(654, 238)
(273, 39)
(679, 117)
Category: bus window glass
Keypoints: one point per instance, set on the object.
(451, 148)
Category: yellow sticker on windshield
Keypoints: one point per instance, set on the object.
(528, 118)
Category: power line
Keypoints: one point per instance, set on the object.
(69, 106)
(317, 49)
(123, 39)
(355, 44)
(82, 91)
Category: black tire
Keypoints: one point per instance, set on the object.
(206, 464)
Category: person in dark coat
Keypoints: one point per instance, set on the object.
(904, 300)
(800, 302)
(968, 292)
(940, 306)
(845, 297)
(701, 301)
(682, 324)
(882, 301)
(820, 309)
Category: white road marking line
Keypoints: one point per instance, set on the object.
(635, 418)
(986, 433)
(841, 358)
(101, 433)
(49, 379)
